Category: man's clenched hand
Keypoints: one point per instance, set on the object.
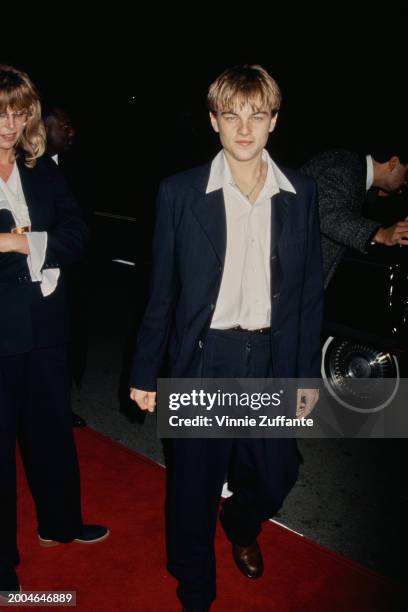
(146, 400)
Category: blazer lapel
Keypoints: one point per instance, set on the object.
(29, 178)
(280, 203)
(209, 210)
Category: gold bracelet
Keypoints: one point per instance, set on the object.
(21, 229)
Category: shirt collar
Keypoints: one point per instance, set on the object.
(220, 175)
(370, 172)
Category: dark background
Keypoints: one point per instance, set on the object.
(135, 86)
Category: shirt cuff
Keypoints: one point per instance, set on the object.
(370, 241)
(370, 172)
(37, 243)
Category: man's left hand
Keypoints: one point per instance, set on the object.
(306, 401)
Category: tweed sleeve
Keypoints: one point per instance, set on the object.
(340, 210)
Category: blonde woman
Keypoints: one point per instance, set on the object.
(41, 229)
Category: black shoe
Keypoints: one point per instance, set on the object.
(78, 421)
(89, 534)
(8, 583)
(248, 560)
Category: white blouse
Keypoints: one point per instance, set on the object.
(12, 199)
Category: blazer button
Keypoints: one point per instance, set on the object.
(200, 344)
(212, 306)
(275, 296)
(276, 332)
(273, 257)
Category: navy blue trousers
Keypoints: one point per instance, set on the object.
(261, 472)
(35, 409)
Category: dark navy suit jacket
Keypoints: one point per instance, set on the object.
(188, 257)
(27, 318)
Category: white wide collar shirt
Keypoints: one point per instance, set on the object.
(244, 298)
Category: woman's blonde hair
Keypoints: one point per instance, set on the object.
(18, 92)
(240, 84)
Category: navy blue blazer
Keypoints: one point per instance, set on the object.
(188, 257)
(27, 318)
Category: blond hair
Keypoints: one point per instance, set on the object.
(18, 92)
(241, 84)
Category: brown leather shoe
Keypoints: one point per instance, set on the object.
(249, 560)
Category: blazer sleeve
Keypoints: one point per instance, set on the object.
(154, 331)
(68, 234)
(338, 220)
(11, 264)
(311, 313)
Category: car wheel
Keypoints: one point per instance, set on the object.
(359, 376)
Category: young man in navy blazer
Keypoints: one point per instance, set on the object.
(236, 292)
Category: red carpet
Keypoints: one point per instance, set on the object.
(127, 572)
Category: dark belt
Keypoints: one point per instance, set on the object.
(261, 330)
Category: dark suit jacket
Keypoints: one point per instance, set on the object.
(27, 319)
(188, 257)
(341, 188)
